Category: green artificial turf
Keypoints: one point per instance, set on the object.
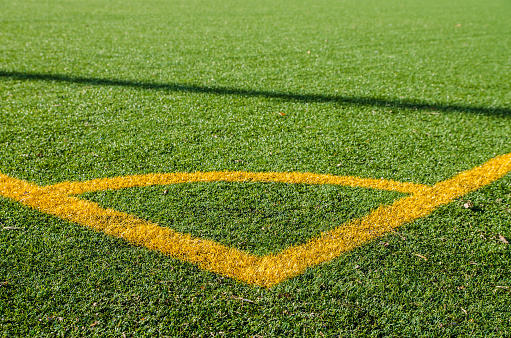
(413, 91)
(261, 218)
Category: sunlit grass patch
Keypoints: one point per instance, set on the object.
(409, 91)
(262, 218)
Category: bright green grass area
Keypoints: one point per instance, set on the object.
(404, 90)
(261, 218)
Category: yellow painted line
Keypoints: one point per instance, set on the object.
(264, 271)
(77, 188)
(207, 254)
(331, 244)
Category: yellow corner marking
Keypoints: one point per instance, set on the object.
(264, 271)
(77, 188)
(208, 254)
(331, 244)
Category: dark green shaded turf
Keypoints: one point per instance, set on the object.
(405, 90)
(262, 218)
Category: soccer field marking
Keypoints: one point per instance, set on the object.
(264, 271)
(76, 188)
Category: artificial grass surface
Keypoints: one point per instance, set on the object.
(401, 90)
(261, 218)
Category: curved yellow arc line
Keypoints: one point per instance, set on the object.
(76, 188)
(263, 271)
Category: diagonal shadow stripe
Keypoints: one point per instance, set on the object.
(341, 100)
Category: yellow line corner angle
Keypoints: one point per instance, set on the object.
(58, 200)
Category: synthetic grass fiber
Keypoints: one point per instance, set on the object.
(390, 91)
(250, 219)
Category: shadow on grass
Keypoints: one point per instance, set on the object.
(341, 100)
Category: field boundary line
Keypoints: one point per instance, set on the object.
(122, 182)
(266, 271)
